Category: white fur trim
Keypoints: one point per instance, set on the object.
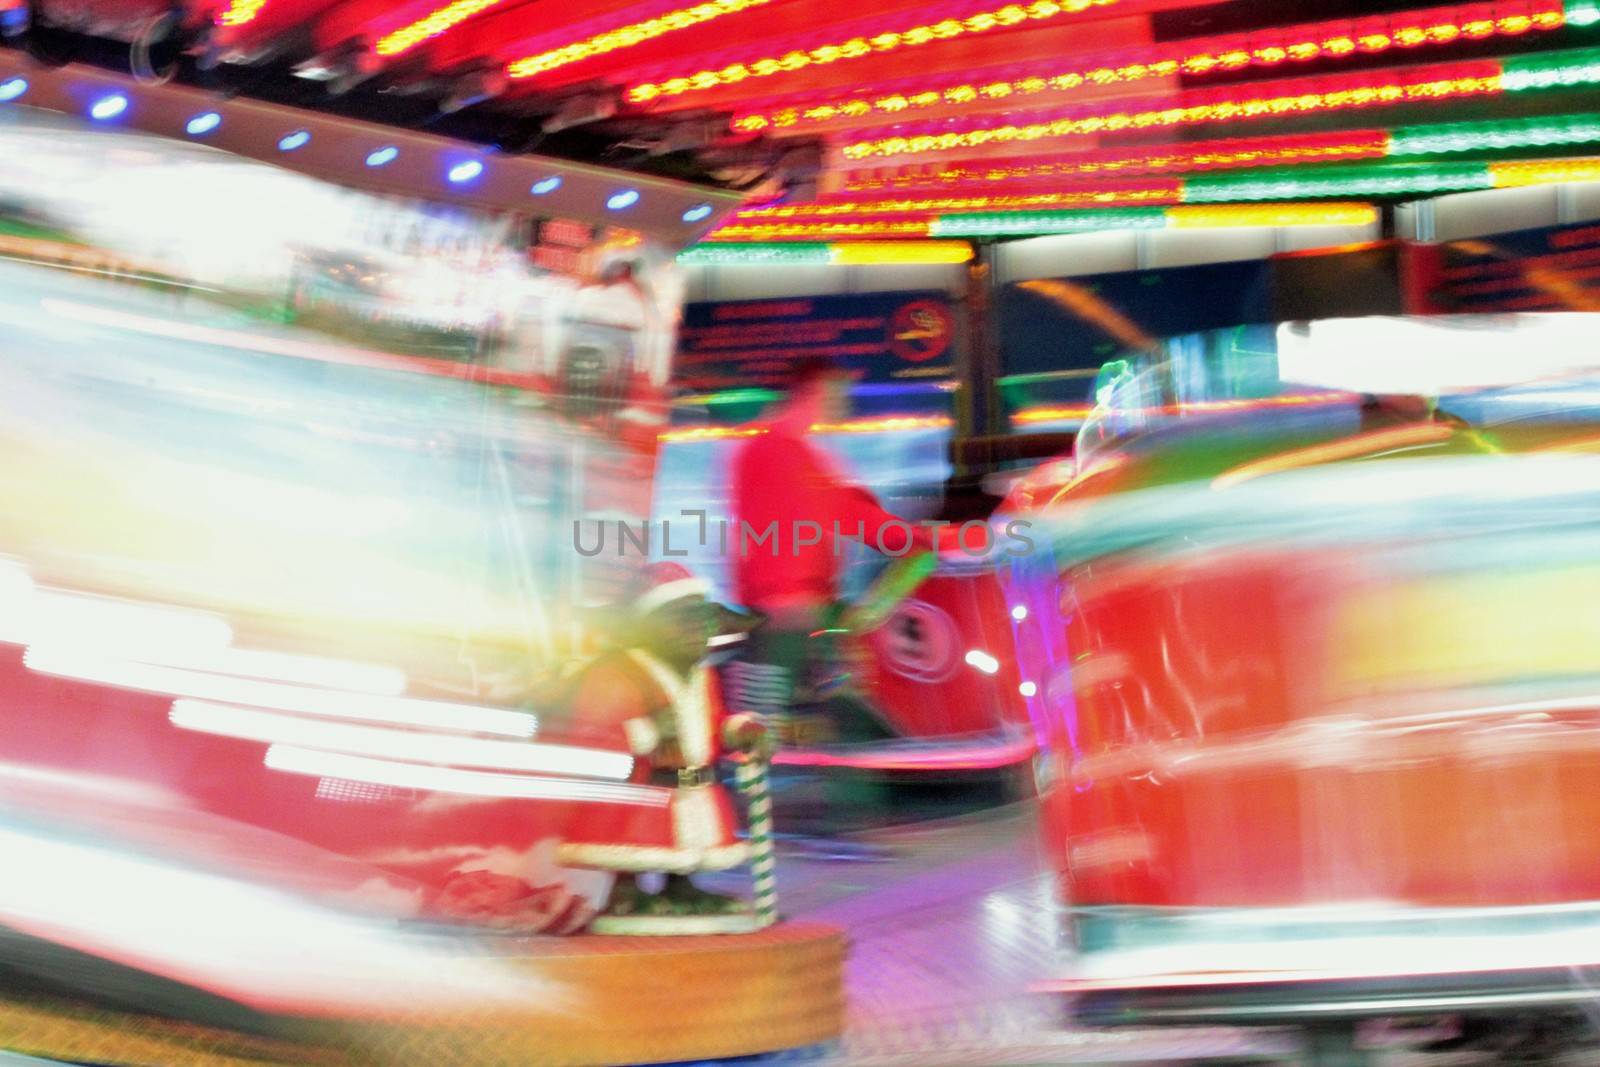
(667, 592)
(643, 736)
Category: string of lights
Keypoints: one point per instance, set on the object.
(1294, 96)
(1234, 154)
(1154, 218)
(1124, 193)
(981, 18)
(430, 26)
(628, 36)
(1266, 49)
(1231, 193)
(859, 253)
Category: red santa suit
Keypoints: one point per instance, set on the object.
(678, 728)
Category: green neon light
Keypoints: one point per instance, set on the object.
(1504, 133)
(777, 252)
(739, 396)
(1381, 179)
(1550, 70)
(1582, 12)
(1046, 222)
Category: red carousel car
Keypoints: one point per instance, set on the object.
(1314, 673)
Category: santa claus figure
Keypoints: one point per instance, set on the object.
(656, 691)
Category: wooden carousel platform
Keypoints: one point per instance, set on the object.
(622, 1000)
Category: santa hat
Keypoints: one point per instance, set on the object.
(660, 584)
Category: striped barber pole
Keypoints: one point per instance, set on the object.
(753, 782)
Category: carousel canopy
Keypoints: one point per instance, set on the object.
(891, 120)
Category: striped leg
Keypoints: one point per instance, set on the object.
(752, 778)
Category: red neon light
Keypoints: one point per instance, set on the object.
(1029, 85)
(1100, 194)
(1290, 96)
(1344, 146)
(865, 39)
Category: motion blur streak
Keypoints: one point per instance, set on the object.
(117, 627)
(287, 667)
(1361, 956)
(167, 636)
(199, 927)
(244, 342)
(1367, 444)
(459, 718)
(449, 780)
(423, 748)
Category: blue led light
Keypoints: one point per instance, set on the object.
(12, 88)
(465, 172)
(383, 156)
(625, 199)
(546, 185)
(108, 107)
(297, 139)
(696, 213)
(203, 124)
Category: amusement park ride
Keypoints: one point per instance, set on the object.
(263, 662)
(322, 740)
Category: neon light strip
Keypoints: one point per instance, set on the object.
(1387, 179)
(1377, 179)
(627, 36)
(1383, 179)
(1289, 150)
(452, 780)
(821, 231)
(409, 746)
(1330, 40)
(861, 253)
(860, 47)
(1198, 407)
(1490, 136)
(1243, 153)
(1294, 96)
(1167, 192)
(1426, 83)
(883, 424)
(1043, 222)
(431, 25)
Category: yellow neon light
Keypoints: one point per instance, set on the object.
(1225, 111)
(1201, 216)
(240, 12)
(867, 253)
(1544, 172)
(1167, 193)
(819, 231)
(627, 36)
(1028, 416)
(431, 25)
(859, 47)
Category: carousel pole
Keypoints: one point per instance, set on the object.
(755, 785)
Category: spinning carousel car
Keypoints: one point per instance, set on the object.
(1315, 672)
